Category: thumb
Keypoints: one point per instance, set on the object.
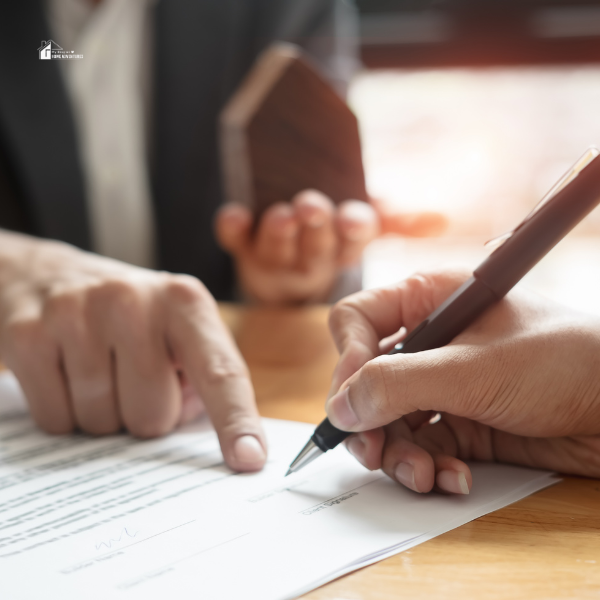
(354, 356)
(456, 379)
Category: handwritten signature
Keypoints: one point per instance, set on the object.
(109, 544)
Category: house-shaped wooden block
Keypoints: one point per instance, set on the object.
(285, 130)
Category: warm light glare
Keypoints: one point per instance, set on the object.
(481, 146)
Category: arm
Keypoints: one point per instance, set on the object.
(99, 344)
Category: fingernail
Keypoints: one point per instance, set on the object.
(338, 407)
(356, 447)
(405, 474)
(248, 450)
(453, 481)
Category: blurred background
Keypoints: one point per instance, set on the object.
(474, 108)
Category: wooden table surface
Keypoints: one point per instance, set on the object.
(545, 546)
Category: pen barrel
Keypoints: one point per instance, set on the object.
(491, 281)
(453, 316)
(536, 236)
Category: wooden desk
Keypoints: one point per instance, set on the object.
(546, 546)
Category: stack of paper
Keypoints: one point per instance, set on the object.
(101, 518)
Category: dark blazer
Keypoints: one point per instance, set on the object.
(202, 49)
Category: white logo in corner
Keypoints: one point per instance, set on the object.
(50, 50)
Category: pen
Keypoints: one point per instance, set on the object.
(573, 197)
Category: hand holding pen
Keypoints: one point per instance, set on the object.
(521, 386)
(406, 392)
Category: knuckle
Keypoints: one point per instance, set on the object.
(61, 309)
(341, 316)
(431, 288)
(25, 337)
(122, 295)
(188, 291)
(122, 302)
(338, 314)
(219, 370)
(420, 285)
(381, 387)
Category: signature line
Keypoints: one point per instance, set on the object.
(66, 569)
(142, 578)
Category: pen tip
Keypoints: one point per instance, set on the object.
(288, 472)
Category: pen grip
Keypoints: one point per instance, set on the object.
(327, 437)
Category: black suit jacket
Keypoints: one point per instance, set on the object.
(202, 49)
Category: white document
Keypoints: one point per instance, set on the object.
(102, 518)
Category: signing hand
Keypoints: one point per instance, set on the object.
(521, 386)
(98, 344)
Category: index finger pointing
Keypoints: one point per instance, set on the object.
(204, 347)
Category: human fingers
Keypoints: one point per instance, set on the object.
(359, 322)
(35, 359)
(506, 370)
(192, 405)
(148, 389)
(409, 463)
(459, 379)
(202, 345)
(276, 241)
(233, 224)
(87, 362)
(372, 315)
(317, 236)
(357, 225)
(394, 450)
(451, 474)
(465, 439)
(367, 446)
(577, 455)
